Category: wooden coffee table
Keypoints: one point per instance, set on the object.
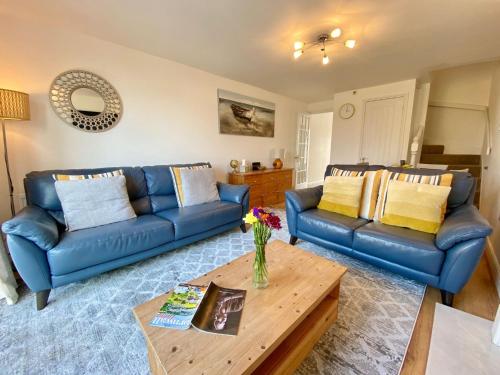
(279, 325)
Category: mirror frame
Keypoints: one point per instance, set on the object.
(63, 87)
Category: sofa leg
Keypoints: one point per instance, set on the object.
(293, 240)
(447, 298)
(243, 227)
(41, 299)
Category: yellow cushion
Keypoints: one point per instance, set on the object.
(342, 194)
(370, 189)
(416, 206)
(387, 176)
(68, 177)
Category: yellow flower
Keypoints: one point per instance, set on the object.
(250, 219)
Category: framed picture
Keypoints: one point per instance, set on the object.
(243, 115)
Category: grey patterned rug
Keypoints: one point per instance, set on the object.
(88, 327)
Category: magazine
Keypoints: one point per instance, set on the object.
(211, 309)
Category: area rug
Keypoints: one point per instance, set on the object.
(88, 327)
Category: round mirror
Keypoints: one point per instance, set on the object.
(87, 101)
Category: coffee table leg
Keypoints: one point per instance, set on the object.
(154, 363)
(288, 356)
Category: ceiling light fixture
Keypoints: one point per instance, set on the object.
(336, 32)
(322, 40)
(298, 53)
(350, 43)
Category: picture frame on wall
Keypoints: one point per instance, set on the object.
(243, 115)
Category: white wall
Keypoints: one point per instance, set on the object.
(320, 107)
(346, 134)
(461, 131)
(170, 110)
(469, 84)
(320, 135)
(490, 194)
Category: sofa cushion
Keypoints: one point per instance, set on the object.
(92, 246)
(462, 183)
(329, 226)
(160, 185)
(40, 189)
(406, 247)
(192, 220)
(90, 203)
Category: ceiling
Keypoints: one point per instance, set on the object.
(252, 41)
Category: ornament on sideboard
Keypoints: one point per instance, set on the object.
(235, 164)
(278, 155)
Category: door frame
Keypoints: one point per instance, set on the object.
(405, 107)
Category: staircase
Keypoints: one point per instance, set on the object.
(434, 154)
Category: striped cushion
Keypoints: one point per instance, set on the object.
(176, 177)
(416, 206)
(387, 176)
(342, 194)
(71, 177)
(370, 189)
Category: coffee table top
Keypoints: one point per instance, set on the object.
(298, 282)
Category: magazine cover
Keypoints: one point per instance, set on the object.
(209, 308)
(180, 307)
(220, 311)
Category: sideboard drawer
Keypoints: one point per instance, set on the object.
(266, 187)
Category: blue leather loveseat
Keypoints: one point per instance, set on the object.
(445, 260)
(47, 256)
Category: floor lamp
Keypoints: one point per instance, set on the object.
(14, 105)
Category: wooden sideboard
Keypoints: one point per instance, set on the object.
(267, 187)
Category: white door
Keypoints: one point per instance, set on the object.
(302, 151)
(320, 145)
(383, 131)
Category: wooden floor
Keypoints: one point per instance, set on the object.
(479, 297)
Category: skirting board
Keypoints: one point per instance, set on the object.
(494, 264)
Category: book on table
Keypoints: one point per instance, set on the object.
(211, 309)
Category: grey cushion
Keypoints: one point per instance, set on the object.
(199, 186)
(93, 202)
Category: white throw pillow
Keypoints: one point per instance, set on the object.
(94, 202)
(199, 186)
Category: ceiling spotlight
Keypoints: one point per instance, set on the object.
(326, 60)
(298, 45)
(350, 43)
(298, 53)
(336, 32)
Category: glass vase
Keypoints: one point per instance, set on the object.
(260, 275)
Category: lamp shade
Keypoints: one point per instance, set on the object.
(14, 105)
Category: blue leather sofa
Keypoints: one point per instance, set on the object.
(47, 256)
(445, 260)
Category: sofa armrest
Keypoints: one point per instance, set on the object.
(463, 224)
(236, 194)
(304, 199)
(34, 224)
(297, 201)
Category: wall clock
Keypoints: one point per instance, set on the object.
(346, 111)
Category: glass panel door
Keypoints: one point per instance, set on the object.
(302, 151)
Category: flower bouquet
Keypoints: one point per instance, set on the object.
(263, 222)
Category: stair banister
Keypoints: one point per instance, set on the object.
(415, 145)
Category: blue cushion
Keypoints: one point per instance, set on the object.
(409, 248)
(200, 218)
(329, 226)
(88, 247)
